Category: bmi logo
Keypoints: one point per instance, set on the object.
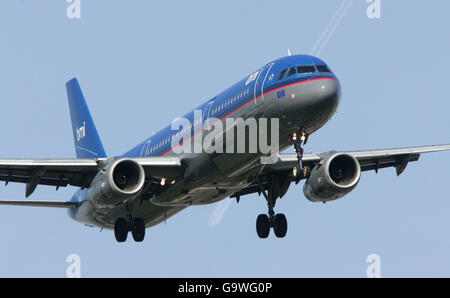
(81, 132)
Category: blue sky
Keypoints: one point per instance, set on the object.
(143, 63)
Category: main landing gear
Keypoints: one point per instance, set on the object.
(278, 222)
(122, 226)
(265, 222)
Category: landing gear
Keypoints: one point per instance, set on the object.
(123, 226)
(298, 139)
(276, 221)
(276, 189)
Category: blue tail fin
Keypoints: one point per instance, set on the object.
(85, 135)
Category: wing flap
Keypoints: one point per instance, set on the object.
(52, 172)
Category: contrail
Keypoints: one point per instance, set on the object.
(331, 27)
(218, 212)
(336, 14)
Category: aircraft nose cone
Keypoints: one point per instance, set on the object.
(313, 103)
(328, 94)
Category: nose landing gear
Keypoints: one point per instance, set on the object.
(297, 139)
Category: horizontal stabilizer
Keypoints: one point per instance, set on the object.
(41, 204)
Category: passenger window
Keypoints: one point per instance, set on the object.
(292, 71)
(306, 69)
(323, 68)
(282, 74)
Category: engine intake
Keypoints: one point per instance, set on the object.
(127, 175)
(333, 178)
(120, 181)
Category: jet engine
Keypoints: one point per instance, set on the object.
(333, 178)
(120, 181)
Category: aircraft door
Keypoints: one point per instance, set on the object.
(260, 81)
(207, 110)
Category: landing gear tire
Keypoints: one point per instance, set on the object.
(138, 230)
(280, 225)
(263, 226)
(121, 230)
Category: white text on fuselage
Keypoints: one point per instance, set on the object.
(252, 78)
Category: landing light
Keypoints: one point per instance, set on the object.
(163, 182)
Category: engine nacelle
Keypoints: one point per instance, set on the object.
(333, 178)
(120, 181)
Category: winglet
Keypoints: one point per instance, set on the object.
(85, 135)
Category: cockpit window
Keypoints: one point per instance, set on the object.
(291, 72)
(323, 68)
(306, 69)
(282, 74)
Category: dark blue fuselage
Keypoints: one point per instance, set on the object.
(231, 100)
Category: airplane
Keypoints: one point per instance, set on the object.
(151, 182)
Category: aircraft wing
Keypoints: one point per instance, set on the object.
(40, 204)
(368, 159)
(74, 172)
